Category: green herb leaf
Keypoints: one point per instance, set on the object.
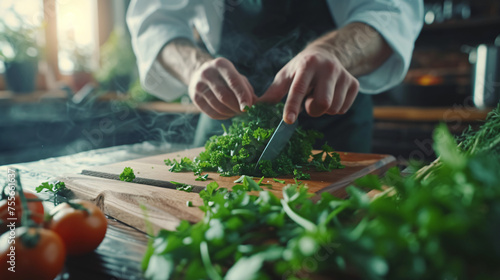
(240, 180)
(299, 175)
(185, 164)
(202, 178)
(369, 181)
(250, 184)
(56, 187)
(127, 175)
(279, 181)
(246, 268)
(446, 147)
(182, 186)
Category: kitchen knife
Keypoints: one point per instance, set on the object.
(278, 140)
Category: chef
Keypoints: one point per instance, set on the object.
(316, 55)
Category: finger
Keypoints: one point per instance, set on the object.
(298, 90)
(202, 104)
(322, 97)
(215, 104)
(221, 91)
(276, 90)
(350, 97)
(339, 95)
(235, 82)
(203, 92)
(250, 88)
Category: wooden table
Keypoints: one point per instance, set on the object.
(417, 114)
(33, 97)
(120, 253)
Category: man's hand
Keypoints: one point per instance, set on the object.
(215, 86)
(219, 90)
(316, 77)
(323, 74)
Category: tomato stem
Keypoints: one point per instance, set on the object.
(25, 217)
(72, 205)
(78, 206)
(29, 240)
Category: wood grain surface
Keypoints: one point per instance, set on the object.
(152, 171)
(166, 206)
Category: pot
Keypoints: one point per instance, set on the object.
(21, 76)
(486, 74)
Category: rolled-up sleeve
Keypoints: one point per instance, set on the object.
(399, 22)
(152, 24)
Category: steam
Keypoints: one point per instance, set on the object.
(96, 124)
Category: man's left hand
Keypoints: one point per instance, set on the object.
(316, 78)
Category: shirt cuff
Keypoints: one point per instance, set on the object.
(394, 69)
(154, 78)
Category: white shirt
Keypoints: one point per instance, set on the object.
(154, 23)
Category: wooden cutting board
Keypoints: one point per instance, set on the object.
(152, 171)
(167, 206)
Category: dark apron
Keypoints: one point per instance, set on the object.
(260, 37)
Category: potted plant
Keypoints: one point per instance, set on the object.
(82, 70)
(19, 53)
(118, 63)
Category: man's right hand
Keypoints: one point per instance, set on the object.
(219, 90)
(215, 86)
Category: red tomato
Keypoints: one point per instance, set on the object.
(81, 231)
(44, 260)
(13, 206)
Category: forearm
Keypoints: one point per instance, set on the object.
(181, 58)
(358, 47)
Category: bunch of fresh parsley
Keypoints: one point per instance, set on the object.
(237, 151)
(485, 140)
(443, 226)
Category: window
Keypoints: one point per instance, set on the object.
(66, 30)
(77, 35)
(17, 13)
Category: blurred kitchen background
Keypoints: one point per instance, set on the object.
(69, 83)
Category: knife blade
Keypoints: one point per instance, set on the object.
(278, 141)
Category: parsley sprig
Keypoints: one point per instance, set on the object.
(127, 175)
(55, 187)
(182, 186)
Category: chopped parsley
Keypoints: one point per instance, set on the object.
(237, 150)
(56, 187)
(127, 175)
